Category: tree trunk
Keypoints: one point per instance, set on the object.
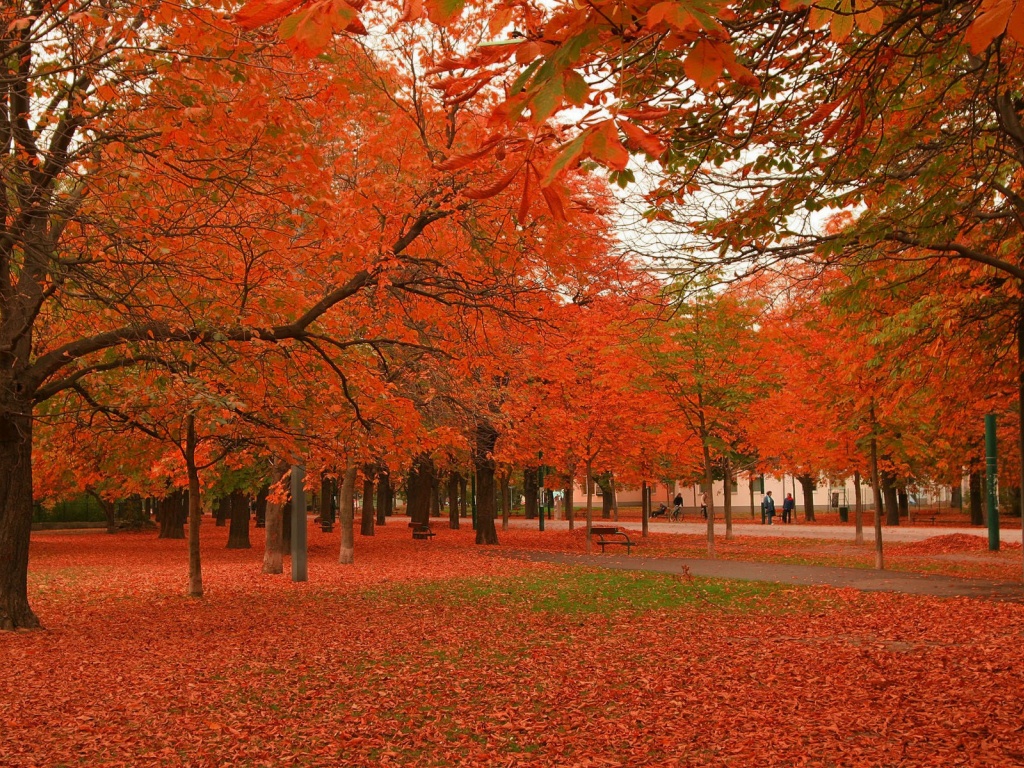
(286, 523)
(483, 461)
(366, 521)
(727, 505)
(172, 516)
(238, 535)
(195, 511)
(346, 516)
(709, 484)
(273, 553)
(463, 495)
(383, 486)
(892, 510)
(750, 487)
(645, 510)
(222, 511)
(505, 491)
(326, 503)
(876, 487)
(858, 510)
(807, 486)
(903, 502)
(15, 515)
(590, 505)
(419, 487)
(453, 501)
(435, 494)
(975, 486)
(261, 507)
(604, 482)
(570, 502)
(273, 559)
(530, 492)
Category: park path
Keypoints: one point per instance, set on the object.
(855, 578)
(780, 531)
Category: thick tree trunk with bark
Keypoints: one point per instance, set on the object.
(975, 486)
(530, 489)
(366, 519)
(172, 516)
(807, 486)
(419, 485)
(903, 502)
(483, 462)
(892, 509)
(453, 501)
(604, 482)
(222, 511)
(383, 486)
(15, 515)
(463, 496)
(238, 535)
(326, 503)
(273, 560)
(261, 506)
(346, 553)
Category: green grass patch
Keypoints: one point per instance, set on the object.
(577, 591)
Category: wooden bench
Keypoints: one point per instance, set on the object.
(422, 532)
(607, 536)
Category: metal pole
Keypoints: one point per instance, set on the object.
(991, 466)
(299, 570)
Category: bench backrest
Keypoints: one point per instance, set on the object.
(596, 529)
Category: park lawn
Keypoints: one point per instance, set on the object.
(948, 555)
(438, 653)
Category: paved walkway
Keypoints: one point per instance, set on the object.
(780, 531)
(856, 578)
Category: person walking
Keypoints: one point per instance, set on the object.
(788, 508)
(677, 509)
(768, 508)
(704, 505)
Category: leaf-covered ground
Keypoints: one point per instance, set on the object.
(429, 653)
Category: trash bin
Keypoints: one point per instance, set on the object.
(844, 514)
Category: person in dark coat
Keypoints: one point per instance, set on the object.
(788, 508)
(768, 508)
